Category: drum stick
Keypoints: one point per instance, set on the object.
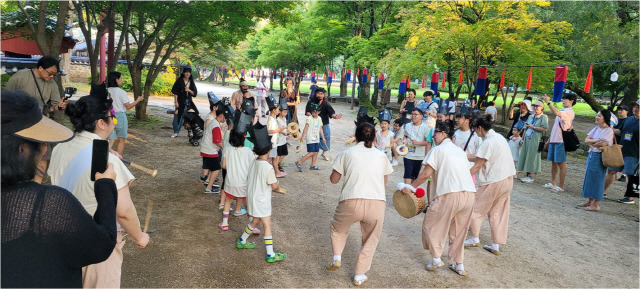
(148, 218)
(151, 172)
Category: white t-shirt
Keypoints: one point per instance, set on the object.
(237, 163)
(418, 133)
(206, 145)
(515, 144)
(384, 142)
(492, 111)
(460, 139)
(272, 124)
(62, 156)
(499, 165)
(363, 170)
(566, 115)
(119, 97)
(261, 176)
(282, 139)
(452, 106)
(313, 132)
(451, 169)
(262, 87)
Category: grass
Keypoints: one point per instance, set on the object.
(151, 122)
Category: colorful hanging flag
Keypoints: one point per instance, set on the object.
(529, 78)
(364, 75)
(348, 74)
(444, 76)
(424, 79)
(587, 84)
(460, 77)
(381, 81)
(434, 82)
(408, 81)
(402, 89)
(504, 70)
(481, 83)
(330, 78)
(559, 82)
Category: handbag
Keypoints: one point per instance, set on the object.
(570, 139)
(45, 105)
(612, 155)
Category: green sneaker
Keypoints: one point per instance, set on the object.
(247, 245)
(276, 258)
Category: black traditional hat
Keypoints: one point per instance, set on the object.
(443, 107)
(283, 103)
(213, 99)
(363, 117)
(272, 102)
(248, 106)
(244, 118)
(385, 115)
(259, 136)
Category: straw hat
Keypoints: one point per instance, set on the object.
(22, 117)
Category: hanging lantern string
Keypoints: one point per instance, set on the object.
(554, 65)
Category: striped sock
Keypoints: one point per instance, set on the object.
(225, 218)
(245, 235)
(268, 243)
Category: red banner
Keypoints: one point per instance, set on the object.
(587, 84)
(529, 78)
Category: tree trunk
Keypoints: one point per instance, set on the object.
(281, 82)
(588, 97)
(136, 83)
(631, 91)
(513, 97)
(271, 75)
(343, 84)
(450, 84)
(66, 58)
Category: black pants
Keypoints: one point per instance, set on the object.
(632, 187)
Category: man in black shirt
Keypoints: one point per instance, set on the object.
(326, 113)
(630, 144)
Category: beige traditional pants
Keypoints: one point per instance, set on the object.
(107, 273)
(493, 199)
(370, 214)
(448, 215)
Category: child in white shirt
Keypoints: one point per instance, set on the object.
(515, 143)
(314, 127)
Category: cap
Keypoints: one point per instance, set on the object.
(538, 103)
(623, 107)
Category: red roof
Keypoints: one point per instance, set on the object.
(16, 43)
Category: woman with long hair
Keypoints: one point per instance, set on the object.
(183, 90)
(593, 186)
(121, 104)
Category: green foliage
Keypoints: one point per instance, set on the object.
(161, 87)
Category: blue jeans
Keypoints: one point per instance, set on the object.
(326, 130)
(178, 121)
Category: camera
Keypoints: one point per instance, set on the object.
(69, 92)
(516, 105)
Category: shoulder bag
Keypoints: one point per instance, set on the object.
(45, 105)
(570, 139)
(612, 155)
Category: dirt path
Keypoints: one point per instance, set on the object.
(550, 244)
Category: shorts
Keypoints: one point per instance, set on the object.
(212, 164)
(273, 153)
(283, 150)
(232, 197)
(619, 169)
(121, 129)
(556, 153)
(313, 147)
(630, 165)
(412, 168)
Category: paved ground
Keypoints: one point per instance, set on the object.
(551, 244)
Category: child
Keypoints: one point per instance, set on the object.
(282, 149)
(384, 136)
(314, 126)
(236, 160)
(262, 179)
(274, 132)
(121, 104)
(515, 143)
(213, 107)
(211, 144)
(397, 138)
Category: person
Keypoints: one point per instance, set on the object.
(521, 116)
(469, 105)
(450, 204)
(292, 100)
(39, 84)
(236, 160)
(415, 138)
(451, 106)
(529, 160)
(407, 105)
(183, 90)
(515, 143)
(262, 96)
(261, 181)
(121, 104)
(313, 125)
(495, 181)
(398, 138)
(491, 110)
(282, 149)
(464, 137)
(429, 108)
(238, 96)
(629, 140)
(326, 114)
(47, 236)
(593, 186)
(384, 137)
(362, 199)
(274, 133)
(312, 89)
(210, 148)
(622, 111)
(93, 118)
(557, 154)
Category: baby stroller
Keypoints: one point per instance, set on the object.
(193, 123)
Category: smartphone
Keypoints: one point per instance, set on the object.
(99, 157)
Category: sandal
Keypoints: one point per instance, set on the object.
(490, 249)
(314, 168)
(276, 258)
(223, 227)
(592, 208)
(247, 245)
(256, 231)
(454, 268)
(299, 166)
(583, 205)
(280, 191)
(433, 267)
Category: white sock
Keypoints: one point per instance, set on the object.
(436, 261)
(268, 243)
(460, 267)
(359, 277)
(495, 246)
(475, 239)
(337, 257)
(247, 232)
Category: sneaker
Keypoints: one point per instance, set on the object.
(203, 179)
(557, 189)
(548, 186)
(282, 164)
(242, 212)
(324, 157)
(622, 178)
(527, 180)
(299, 166)
(626, 200)
(281, 175)
(212, 191)
(277, 257)
(174, 135)
(215, 185)
(394, 163)
(314, 168)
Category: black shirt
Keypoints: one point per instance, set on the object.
(629, 137)
(326, 111)
(48, 236)
(178, 89)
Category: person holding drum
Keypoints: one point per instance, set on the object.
(452, 202)
(495, 170)
(365, 170)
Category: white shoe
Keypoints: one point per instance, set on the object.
(557, 189)
(174, 135)
(548, 186)
(527, 180)
(394, 163)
